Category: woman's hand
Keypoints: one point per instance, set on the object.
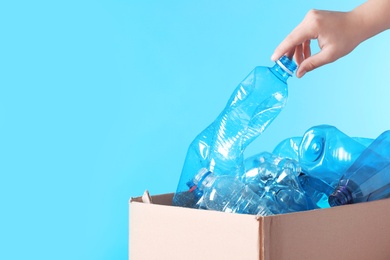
(337, 34)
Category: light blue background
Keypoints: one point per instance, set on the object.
(99, 101)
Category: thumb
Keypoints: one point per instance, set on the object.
(321, 58)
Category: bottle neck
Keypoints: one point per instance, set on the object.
(203, 178)
(282, 73)
(341, 196)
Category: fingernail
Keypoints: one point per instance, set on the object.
(273, 58)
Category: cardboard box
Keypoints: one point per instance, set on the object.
(163, 232)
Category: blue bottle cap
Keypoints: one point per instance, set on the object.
(287, 65)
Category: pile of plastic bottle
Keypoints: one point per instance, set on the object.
(323, 168)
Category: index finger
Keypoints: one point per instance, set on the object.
(298, 36)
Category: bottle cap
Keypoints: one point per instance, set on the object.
(341, 196)
(287, 65)
(198, 179)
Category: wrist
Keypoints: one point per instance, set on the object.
(371, 18)
(358, 29)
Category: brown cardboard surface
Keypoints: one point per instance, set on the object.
(360, 231)
(160, 231)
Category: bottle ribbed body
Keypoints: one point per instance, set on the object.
(282, 185)
(228, 194)
(369, 176)
(253, 105)
(326, 153)
(288, 148)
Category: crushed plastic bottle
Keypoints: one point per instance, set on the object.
(326, 153)
(288, 148)
(283, 183)
(228, 194)
(369, 176)
(317, 190)
(219, 148)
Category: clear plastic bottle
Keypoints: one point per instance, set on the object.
(288, 148)
(368, 178)
(272, 185)
(283, 184)
(219, 148)
(316, 190)
(228, 194)
(326, 153)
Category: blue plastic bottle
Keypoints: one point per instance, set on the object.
(219, 148)
(326, 153)
(316, 190)
(228, 194)
(283, 184)
(288, 148)
(368, 178)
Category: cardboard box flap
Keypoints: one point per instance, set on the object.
(163, 199)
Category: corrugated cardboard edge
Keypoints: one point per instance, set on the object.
(261, 246)
(146, 198)
(264, 231)
(268, 236)
(160, 199)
